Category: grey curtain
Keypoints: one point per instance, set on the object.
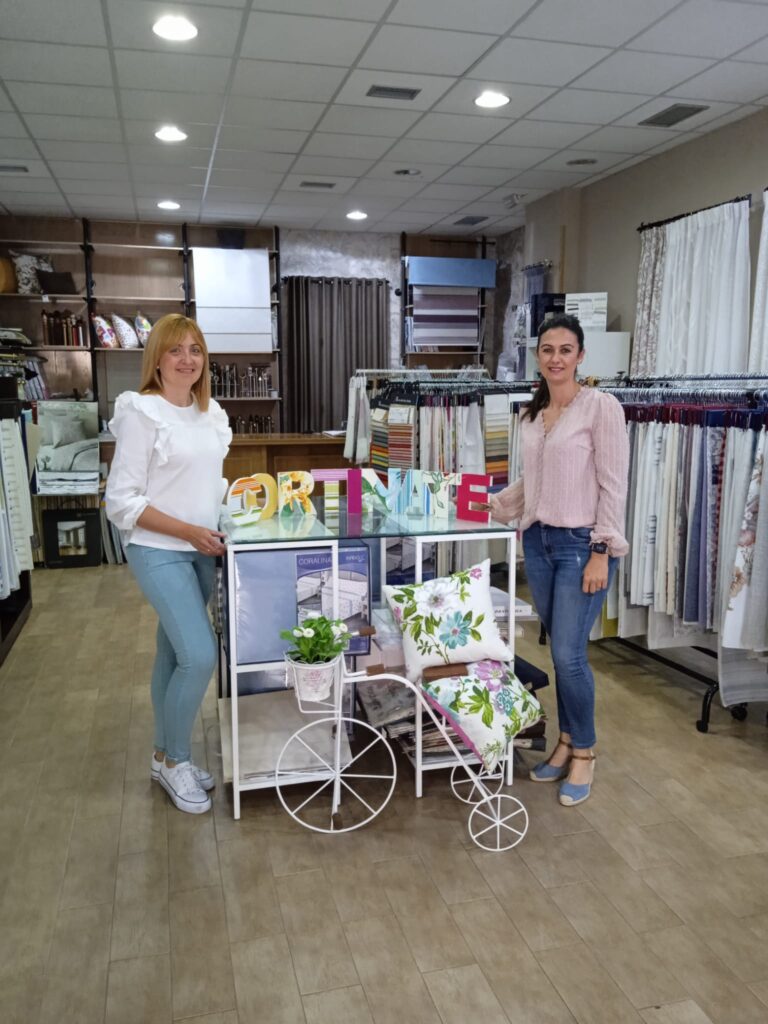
(332, 327)
(653, 243)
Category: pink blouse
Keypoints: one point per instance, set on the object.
(575, 474)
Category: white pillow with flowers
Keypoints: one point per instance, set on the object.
(447, 620)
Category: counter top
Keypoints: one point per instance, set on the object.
(286, 439)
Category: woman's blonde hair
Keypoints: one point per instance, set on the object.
(168, 332)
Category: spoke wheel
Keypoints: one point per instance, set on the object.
(465, 785)
(498, 823)
(307, 779)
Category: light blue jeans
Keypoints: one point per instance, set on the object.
(554, 564)
(178, 585)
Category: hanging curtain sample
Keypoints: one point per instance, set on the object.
(653, 243)
(758, 342)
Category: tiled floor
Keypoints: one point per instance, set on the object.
(648, 904)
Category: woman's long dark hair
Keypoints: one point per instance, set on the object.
(570, 323)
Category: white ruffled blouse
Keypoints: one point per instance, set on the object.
(169, 458)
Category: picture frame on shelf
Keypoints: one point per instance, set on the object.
(71, 538)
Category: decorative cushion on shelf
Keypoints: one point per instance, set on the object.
(26, 265)
(143, 327)
(126, 335)
(447, 620)
(56, 282)
(104, 332)
(487, 707)
(7, 276)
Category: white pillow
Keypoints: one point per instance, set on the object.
(126, 335)
(447, 621)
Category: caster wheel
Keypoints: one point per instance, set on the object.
(702, 726)
(498, 823)
(465, 786)
(739, 712)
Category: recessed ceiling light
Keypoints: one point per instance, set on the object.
(356, 215)
(170, 133)
(584, 161)
(168, 204)
(491, 99)
(407, 171)
(175, 28)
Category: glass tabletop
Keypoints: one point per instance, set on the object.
(341, 526)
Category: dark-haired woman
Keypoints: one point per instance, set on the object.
(570, 502)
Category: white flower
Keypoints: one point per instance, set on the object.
(308, 632)
(298, 632)
(436, 598)
(343, 627)
(313, 615)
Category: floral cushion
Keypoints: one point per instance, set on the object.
(126, 336)
(143, 327)
(487, 707)
(447, 620)
(26, 265)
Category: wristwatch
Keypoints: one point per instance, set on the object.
(599, 549)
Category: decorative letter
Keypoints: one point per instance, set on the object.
(243, 499)
(470, 491)
(295, 489)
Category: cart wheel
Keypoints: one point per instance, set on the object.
(739, 712)
(311, 788)
(498, 823)
(702, 726)
(464, 783)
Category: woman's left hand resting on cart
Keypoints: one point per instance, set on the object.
(595, 575)
(207, 542)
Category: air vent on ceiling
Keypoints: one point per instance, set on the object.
(13, 169)
(673, 115)
(392, 92)
(469, 221)
(317, 184)
(513, 199)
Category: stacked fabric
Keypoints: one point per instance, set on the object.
(496, 430)
(379, 451)
(402, 437)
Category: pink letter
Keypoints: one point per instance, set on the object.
(470, 491)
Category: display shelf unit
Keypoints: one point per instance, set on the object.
(14, 609)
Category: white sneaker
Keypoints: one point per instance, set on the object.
(204, 779)
(182, 787)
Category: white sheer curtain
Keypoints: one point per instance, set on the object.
(704, 315)
(758, 345)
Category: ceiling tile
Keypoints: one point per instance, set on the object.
(705, 28)
(97, 206)
(33, 201)
(157, 174)
(371, 147)
(681, 139)
(23, 183)
(425, 51)
(188, 207)
(143, 132)
(714, 110)
(131, 27)
(484, 208)
(65, 149)
(367, 121)
(649, 73)
(758, 52)
(545, 180)
(331, 166)
(496, 16)
(518, 158)
(241, 159)
(268, 139)
(366, 10)
(604, 160)
(260, 193)
(628, 140)
(458, 193)
(550, 134)
(604, 22)
(436, 207)
(45, 62)
(413, 150)
(374, 206)
(431, 88)
(334, 222)
(79, 187)
(465, 175)
(176, 72)
(89, 170)
(537, 63)
(282, 81)
(522, 98)
(385, 170)
(158, 191)
(303, 39)
(397, 187)
(454, 127)
(746, 110)
(303, 200)
(253, 179)
(192, 157)
(88, 101)
(587, 106)
(291, 115)
(155, 105)
(246, 211)
(341, 185)
(11, 127)
(290, 217)
(65, 21)
(24, 149)
(728, 81)
(85, 129)
(524, 195)
(507, 224)
(407, 219)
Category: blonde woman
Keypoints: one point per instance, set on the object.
(164, 492)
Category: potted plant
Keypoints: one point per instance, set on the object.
(312, 662)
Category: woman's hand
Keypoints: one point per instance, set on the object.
(205, 541)
(595, 575)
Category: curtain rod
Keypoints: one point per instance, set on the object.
(692, 213)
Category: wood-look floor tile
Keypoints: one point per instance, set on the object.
(78, 997)
(92, 863)
(638, 804)
(294, 852)
(761, 991)
(321, 956)
(638, 972)
(21, 996)
(144, 823)
(743, 884)
(526, 901)
(100, 792)
(709, 982)
(192, 853)
(587, 989)
(684, 846)
(140, 927)
(139, 991)
(591, 914)
(463, 993)
(342, 1006)
(353, 894)
(201, 967)
(689, 893)
(230, 1017)
(630, 841)
(549, 861)
(265, 983)
(685, 1012)
(393, 985)
(249, 889)
(76, 972)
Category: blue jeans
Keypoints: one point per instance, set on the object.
(178, 585)
(555, 558)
